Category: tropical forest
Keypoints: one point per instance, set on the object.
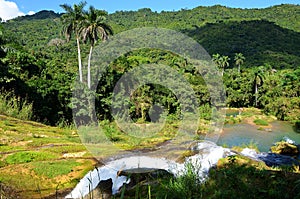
(62, 127)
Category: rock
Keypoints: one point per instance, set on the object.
(138, 175)
(270, 159)
(273, 159)
(285, 148)
(102, 191)
(74, 155)
(268, 129)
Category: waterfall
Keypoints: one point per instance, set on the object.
(207, 156)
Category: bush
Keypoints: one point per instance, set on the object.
(185, 186)
(13, 106)
(297, 126)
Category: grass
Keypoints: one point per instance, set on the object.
(32, 162)
(54, 168)
(185, 186)
(261, 122)
(29, 156)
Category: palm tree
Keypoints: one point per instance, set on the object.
(258, 81)
(94, 28)
(72, 23)
(217, 59)
(221, 61)
(239, 60)
(224, 62)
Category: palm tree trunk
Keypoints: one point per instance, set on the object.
(256, 93)
(89, 67)
(79, 60)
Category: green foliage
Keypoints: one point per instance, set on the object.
(261, 42)
(13, 106)
(205, 112)
(185, 186)
(224, 183)
(39, 66)
(297, 126)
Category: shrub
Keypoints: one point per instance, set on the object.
(13, 106)
(185, 186)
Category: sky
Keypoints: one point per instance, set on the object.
(12, 8)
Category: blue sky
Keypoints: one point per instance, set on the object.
(30, 6)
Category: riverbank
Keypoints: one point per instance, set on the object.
(39, 161)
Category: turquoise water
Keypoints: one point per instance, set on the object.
(240, 134)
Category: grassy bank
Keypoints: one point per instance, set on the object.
(252, 116)
(233, 177)
(38, 160)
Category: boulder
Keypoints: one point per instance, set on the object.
(270, 159)
(273, 159)
(138, 175)
(285, 148)
(102, 191)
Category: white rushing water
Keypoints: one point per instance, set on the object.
(207, 155)
(110, 170)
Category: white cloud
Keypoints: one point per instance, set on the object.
(9, 10)
(31, 13)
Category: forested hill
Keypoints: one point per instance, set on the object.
(264, 36)
(38, 65)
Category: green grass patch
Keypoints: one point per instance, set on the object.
(6, 148)
(52, 169)
(65, 149)
(248, 112)
(261, 122)
(28, 156)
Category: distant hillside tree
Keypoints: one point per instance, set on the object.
(239, 60)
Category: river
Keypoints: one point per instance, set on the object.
(243, 133)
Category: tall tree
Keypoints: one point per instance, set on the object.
(239, 60)
(217, 59)
(221, 61)
(92, 29)
(258, 81)
(224, 63)
(72, 21)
